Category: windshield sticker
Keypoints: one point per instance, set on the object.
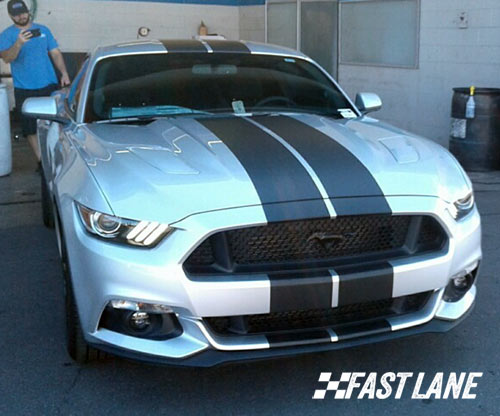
(238, 107)
(347, 113)
(290, 60)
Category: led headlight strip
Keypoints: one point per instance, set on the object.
(461, 207)
(147, 232)
(121, 230)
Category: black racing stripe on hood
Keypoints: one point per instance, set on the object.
(341, 173)
(276, 174)
(295, 210)
(228, 46)
(360, 205)
(184, 45)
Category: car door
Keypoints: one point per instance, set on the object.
(55, 145)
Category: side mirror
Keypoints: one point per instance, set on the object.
(368, 102)
(44, 108)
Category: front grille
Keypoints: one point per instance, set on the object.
(317, 318)
(315, 243)
(299, 240)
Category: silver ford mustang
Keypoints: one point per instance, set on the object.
(222, 201)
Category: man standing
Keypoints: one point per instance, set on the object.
(26, 46)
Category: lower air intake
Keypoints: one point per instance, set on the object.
(316, 318)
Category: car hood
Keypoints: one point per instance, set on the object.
(172, 168)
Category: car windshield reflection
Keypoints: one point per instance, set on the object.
(166, 85)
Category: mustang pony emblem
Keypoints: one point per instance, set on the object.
(327, 240)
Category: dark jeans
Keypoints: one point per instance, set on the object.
(28, 124)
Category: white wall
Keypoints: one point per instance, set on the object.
(81, 25)
(419, 100)
(252, 23)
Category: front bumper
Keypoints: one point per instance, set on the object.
(103, 271)
(207, 356)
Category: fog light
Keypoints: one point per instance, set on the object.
(140, 320)
(460, 283)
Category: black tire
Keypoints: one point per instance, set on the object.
(77, 347)
(47, 210)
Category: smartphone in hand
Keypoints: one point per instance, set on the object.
(35, 33)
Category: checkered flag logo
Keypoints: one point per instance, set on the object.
(333, 386)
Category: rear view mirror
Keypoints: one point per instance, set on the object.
(207, 69)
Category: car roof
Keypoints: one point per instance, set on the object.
(193, 46)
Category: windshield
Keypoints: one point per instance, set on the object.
(158, 85)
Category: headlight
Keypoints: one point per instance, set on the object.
(463, 206)
(121, 230)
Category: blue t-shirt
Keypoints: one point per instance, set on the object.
(32, 69)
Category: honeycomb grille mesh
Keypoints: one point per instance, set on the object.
(309, 241)
(317, 239)
(203, 255)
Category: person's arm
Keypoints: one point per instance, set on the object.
(9, 55)
(58, 60)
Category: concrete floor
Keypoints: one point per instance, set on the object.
(38, 377)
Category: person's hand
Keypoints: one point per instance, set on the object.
(65, 80)
(24, 36)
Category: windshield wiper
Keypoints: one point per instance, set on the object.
(296, 111)
(124, 114)
(142, 118)
(128, 119)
